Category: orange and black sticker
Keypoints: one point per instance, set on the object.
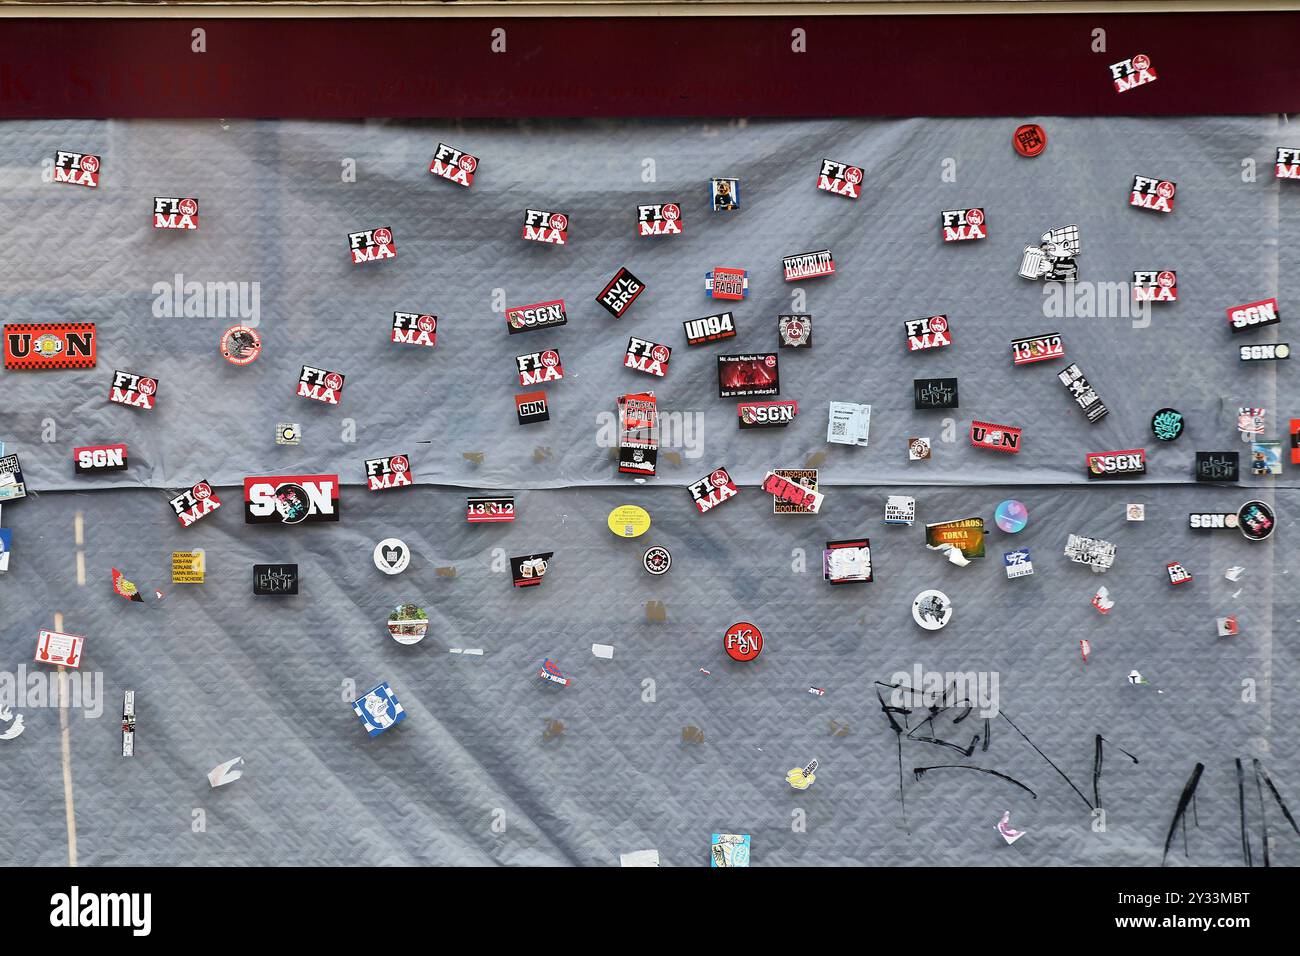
(56, 345)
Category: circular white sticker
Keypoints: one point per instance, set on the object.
(392, 555)
(932, 609)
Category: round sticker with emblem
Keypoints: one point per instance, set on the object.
(629, 521)
(392, 555)
(1011, 516)
(1167, 424)
(743, 642)
(240, 344)
(408, 623)
(1030, 140)
(1256, 520)
(657, 560)
(932, 609)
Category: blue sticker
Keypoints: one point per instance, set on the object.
(378, 709)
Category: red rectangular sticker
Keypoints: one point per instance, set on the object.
(50, 345)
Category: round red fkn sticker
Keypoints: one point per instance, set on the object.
(1165, 189)
(719, 478)
(201, 491)
(426, 323)
(938, 323)
(383, 237)
(399, 463)
(560, 221)
(90, 164)
(1030, 139)
(147, 386)
(188, 207)
(659, 353)
(1165, 280)
(671, 211)
(334, 380)
(550, 358)
(1141, 61)
(975, 217)
(468, 163)
(853, 175)
(743, 641)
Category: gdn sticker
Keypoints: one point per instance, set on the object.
(840, 179)
(808, 265)
(414, 328)
(539, 315)
(137, 391)
(82, 169)
(454, 165)
(291, 499)
(371, 245)
(959, 225)
(712, 490)
(175, 213)
(52, 345)
(1117, 464)
(538, 368)
(659, 220)
(1153, 286)
(391, 472)
(320, 385)
(1254, 315)
(194, 504)
(542, 226)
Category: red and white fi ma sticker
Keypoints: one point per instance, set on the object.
(320, 385)
(173, 212)
(649, 357)
(194, 504)
(414, 328)
(80, 169)
(391, 472)
(962, 224)
(538, 368)
(454, 165)
(712, 490)
(542, 226)
(1133, 72)
(1287, 163)
(371, 245)
(1155, 286)
(1154, 194)
(137, 391)
(663, 219)
(840, 178)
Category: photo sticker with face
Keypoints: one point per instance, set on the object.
(175, 212)
(291, 499)
(454, 165)
(724, 194)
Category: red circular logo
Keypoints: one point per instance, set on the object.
(743, 641)
(550, 358)
(201, 491)
(399, 463)
(770, 361)
(468, 163)
(659, 353)
(1165, 280)
(90, 164)
(1030, 139)
(853, 175)
(383, 237)
(671, 211)
(188, 207)
(719, 478)
(147, 386)
(240, 344)
(426, 323)
(938, 323)
(1165, 190)
(1141, 61)
(975, 217)
(559, 221)
(334, 380)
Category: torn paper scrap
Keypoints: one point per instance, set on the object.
(224, 773)
(603, 651)
(639, 858)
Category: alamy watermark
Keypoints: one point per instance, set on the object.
(1094, 300)
(179, 299)
(921, 688)
(22, 690)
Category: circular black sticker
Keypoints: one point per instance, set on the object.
(1167, 424)
(1255, 520)
(657, 560)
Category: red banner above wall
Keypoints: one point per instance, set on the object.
(958, 65)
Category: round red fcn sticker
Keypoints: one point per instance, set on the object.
(1141, 61)
(1030, 139)
(853, 175)
(90, 164)
(559, 222)
(671, 211)
(188, 207)
(743, 641)
(425, 323)
(467, 163)
(383, 237)
(975, 217)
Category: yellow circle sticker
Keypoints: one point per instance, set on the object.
(629, 521)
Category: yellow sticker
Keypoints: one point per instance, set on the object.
(629, 521)
(187, 567)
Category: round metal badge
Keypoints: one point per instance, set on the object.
(240, 345)
(657, 560)
(743, 642)
(932, 609)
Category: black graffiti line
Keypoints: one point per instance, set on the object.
(919, 771)
(1187, 796)
(1096, 767)
(1003, 715)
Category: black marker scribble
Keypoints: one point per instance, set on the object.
(919, 771)
(889, 712)
(1003, 715)
(1096, 768)
(1241, 811)
(1188, 796)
